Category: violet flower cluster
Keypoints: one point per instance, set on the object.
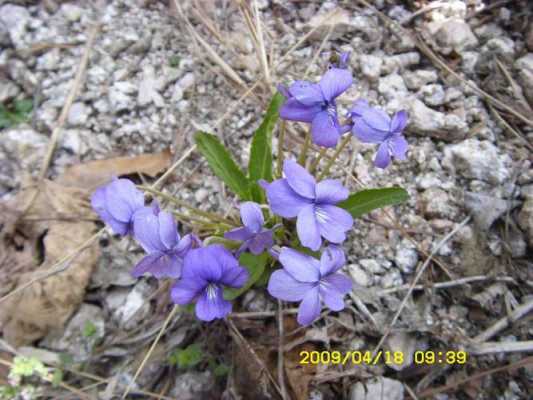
(311, 258)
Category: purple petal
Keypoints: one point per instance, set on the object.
(123, 199)
(202, 264)
(160, 265)
(331, 297)
(301, 181)
(185, 291)
(382, 159)
(239, 234)
(307, 93)
(358, 108)
(284, 287)
(331, 191)
(283, 200)
(168, 230)
(325, 130)
(335, 82)
(283, 90)
(399, 121)
(98, 205)
(377, 119)
(398, 146)
(293, 110)
(366, 134)
(146, 230)
(300, 266)
(211, 304)
(261, 242)
(332, 259)
(252, 216)
(333, 222)
(235, 277)
(308, 229)
(185, 244)
(339, 281)
(309, 309)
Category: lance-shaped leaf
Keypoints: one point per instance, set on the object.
(255, 266)
(223, 165)
(260, 165)
(367, 200)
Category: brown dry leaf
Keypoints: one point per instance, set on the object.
(299, 375)
(94, 173)
(48, 303)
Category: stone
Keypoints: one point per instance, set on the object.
(129, 307)
(377, 388)
(478, 159)
(340, 21)
(371, 266)
(84, 330)
(149, 88)
(391, 279)
(25, 146)
(486, 209)
(119, 96)
(399, 62)
(392, 87)
(187, 81)
(502, 46)
(404, 343)
(359, 276)
(371, 66)
(78, 114)
(432, 95)
(406, 258)
(524, 66)
(71, 12)
(455, 35)
(427, 122)
(436, 203)
(525, 220)
(416, 79)
(8, 90)
(193, 385)
(16, 20)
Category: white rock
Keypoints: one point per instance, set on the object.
(78, 114)
(455, 35)
(119, 96)
(428, 122)
(16, 19)
(399, 62)
(187, 81)
(359, 276)
(404, 343)
(129, 307)
(406, 258)
(524, 66)
(436, 203)
(8, 90)
(71, 12)
(525, 219)
(486, 209)
(416, 79)
(392, 87)
(371, 66)
(377, 388)
(502, 46)
(391, 279)
(200, 195)
(149, 88)
(371, 266)
(477, 159)
(433, 95)
(25, 145)
(193, 385)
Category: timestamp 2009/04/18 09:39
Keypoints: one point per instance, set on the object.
(428, 357)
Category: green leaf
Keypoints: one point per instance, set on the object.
(222, 164)
(57, 377)
(186, 358)
(367, 200)
(89, 329)
(260, 165)
(255, 266)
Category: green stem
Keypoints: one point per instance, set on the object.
(316, 161)
(305, 147)
(332, 160)
(281, 144)
(209, 215)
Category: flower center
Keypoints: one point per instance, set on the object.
(212, 290)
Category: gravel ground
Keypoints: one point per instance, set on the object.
(149, 85)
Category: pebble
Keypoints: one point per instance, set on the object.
(486, 209)
(193, 385)
(416, 79)
(406, 258)
(78, 114)
(16, 20)
(392, 87)
(71, 12)
(371, 66)
(455, 35)
(359, 276)
(371, 265)
(524, 66)
(525, 219)
(432, 95)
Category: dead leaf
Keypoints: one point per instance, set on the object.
(94, 173)
(48, 303)
(299, 375)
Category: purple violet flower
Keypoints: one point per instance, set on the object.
(298, 195)
(116, 203)
(254, 237)
(157, 233)
(205, 271)
(315, 103)
(306, 279)
(372, 125)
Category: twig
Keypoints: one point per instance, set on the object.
(261, 314)
(281, 367)
(333, 158)
(500, 347)
(507, 126)
(417, 277)
(410, 391)
(503, 323)
(149, 353)
(432, 392)
(281, 144)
